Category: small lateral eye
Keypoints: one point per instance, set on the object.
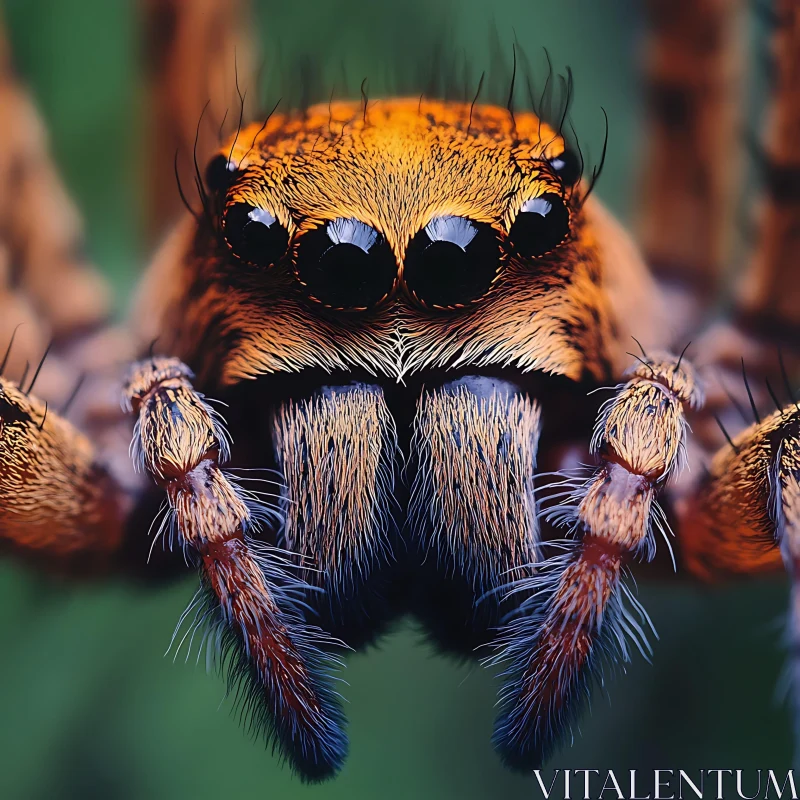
(541, 225)
(220, 174)
(451, 262)
(254, 235)
(345, 264)
(567, 166)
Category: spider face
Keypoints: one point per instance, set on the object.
(420, 290)
(415, 236)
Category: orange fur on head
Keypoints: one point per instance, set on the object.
(395, 167)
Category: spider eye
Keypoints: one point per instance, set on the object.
(254, 235)
(345, 264)
(220, 174)
(541, 225)
(452, 261)
(568, 167)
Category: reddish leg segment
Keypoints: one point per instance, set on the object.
(550, 654)
(181, 442)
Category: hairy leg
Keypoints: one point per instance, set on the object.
(57, 500)
(576, 612)
(279, 659)
(732, 524)
(745, 516)
(740, 518)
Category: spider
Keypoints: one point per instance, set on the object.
(384, 369)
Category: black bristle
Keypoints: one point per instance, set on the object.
(753, 407)
(4, 364)
(726, 434)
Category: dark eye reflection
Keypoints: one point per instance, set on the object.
(346, 264)
(452, 262)
(254, 235)
(567, 166)
(220, 174)
(541, 225)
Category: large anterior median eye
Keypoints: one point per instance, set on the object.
(254, 235)
(452, 261)
(541, 225)
(346, 264)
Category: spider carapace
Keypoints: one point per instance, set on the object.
(417, 319)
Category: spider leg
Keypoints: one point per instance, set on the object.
(694, 90)
(550, 649)
(280, 660)
(745, 516)
(786, 510)
(49, 293)
(68, 497)
(41, 241)
(769, 293)
(58, 503)
(764, 321)
(201, 83)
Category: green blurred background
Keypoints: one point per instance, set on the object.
(88, 705)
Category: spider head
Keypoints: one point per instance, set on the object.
(411, 237)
